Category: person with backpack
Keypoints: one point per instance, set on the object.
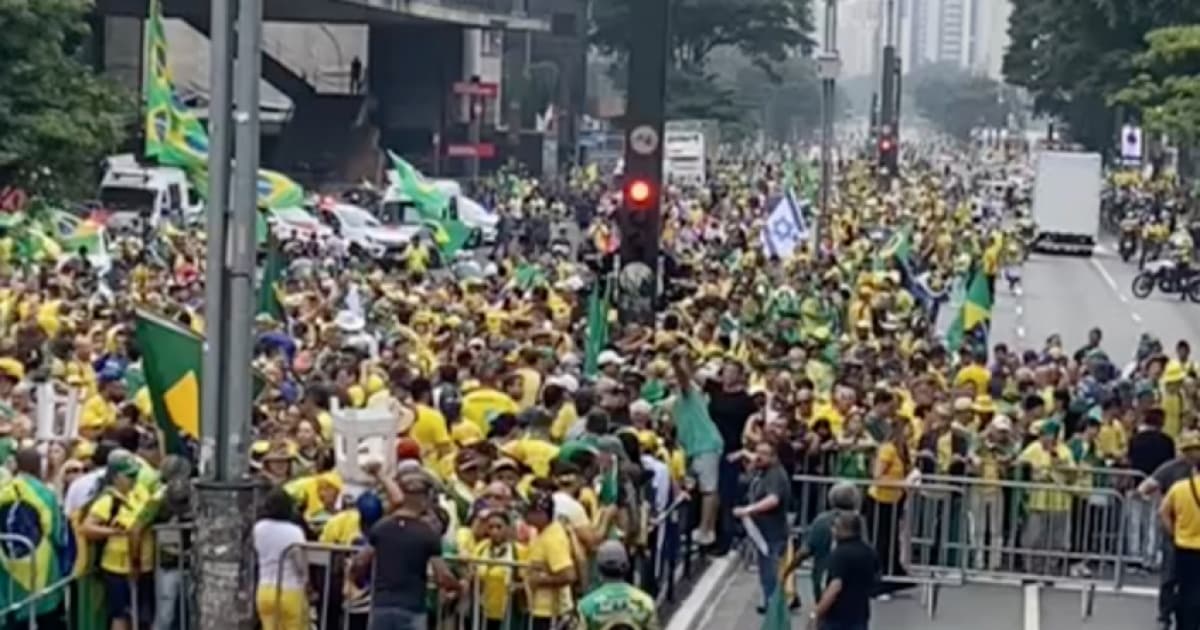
(125, 554)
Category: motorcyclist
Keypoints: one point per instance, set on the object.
(1182, 251)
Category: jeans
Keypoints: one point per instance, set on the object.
(397, 619)
(768, 567)
(1143, 530)
(167, 586)
(987, 527)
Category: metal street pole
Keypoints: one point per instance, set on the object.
(223, 570)
(219, 156)
(828, 67)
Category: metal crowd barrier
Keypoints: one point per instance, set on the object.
(173, 587)
(948, 530)
(28, 605)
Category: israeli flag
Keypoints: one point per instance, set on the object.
(786, 229)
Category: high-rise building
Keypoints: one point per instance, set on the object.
(860, 36)
(971, 34)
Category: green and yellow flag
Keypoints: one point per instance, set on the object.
(37, 550)
(269, 302)
(171, 360)
(450, 234)
(975, 316)
(597, 330)
(173, 134)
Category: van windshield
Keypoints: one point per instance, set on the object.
(122, 199)
(399, 213)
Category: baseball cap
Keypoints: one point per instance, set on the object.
(611, 556)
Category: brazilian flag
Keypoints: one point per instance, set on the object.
(37, 546)
(173, 134)
(269, 302)
(975, 316)
(171, 360)
(450, 234)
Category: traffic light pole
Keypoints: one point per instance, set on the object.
(889, 94)
(640, 216)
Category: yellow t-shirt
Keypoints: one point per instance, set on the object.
(1187, 513)
(831, 413)
(535, 453)
(893, 470)
(429, 430)
(1112, 440)
(98, 412)
(531, 386)
(496, 580)
(550, 551)
(1172, 406)
(479, 405)
(1043, 471)
(116, 555)
(563, 421)
(344, 528)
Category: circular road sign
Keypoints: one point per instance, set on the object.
(643, 139)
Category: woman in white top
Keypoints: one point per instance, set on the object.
(280, 598)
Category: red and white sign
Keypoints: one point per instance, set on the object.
(482, 89)
(484, 150)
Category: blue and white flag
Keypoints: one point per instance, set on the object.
(786, 229)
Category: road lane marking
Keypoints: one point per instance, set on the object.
(1137, 319)
(698, 608)
(1112, 284)
(1033, 606)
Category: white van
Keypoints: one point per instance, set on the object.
(393, 208)
(131, 193)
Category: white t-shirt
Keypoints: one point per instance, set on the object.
(271, 540)
(82, 490)
(660, 481)
(566, 508)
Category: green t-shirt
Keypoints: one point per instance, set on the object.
(694, 428)
(617, 605)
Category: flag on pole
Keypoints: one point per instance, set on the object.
(786, 230)
(276, 190)
(975, 315)
(173, 134)
(450, 234)
(597, 331)
(171, 361)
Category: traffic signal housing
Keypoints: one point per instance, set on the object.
(889, 151)
(641, 194)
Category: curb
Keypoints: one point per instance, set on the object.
(701, 599)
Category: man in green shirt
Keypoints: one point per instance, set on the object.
(701, 442)
(615, 604)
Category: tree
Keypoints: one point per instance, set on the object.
(958, 101)
(57, 118)
(764, 36)
(1167, 86)
(1072, 54)
(765, 31)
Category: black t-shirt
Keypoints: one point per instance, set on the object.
(1150, 449)
(772, 481)
(855, 563)
(403, 547)
(730, 410)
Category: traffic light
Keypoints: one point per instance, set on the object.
(888, 152)
(640, 194)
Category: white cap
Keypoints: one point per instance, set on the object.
(609, 357)
(565, 381)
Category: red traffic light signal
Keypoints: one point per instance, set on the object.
(640, 193)
(886, 145)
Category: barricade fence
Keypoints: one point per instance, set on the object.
(493, 593)
(935, 530)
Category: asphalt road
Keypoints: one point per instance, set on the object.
(1060, 295)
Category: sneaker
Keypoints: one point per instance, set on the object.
(703, 538)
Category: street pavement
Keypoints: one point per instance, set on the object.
(1060, 295)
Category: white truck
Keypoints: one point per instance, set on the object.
(1066, 201)
(132, 193)
(395, 208)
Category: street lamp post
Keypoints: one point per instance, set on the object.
(828, 67)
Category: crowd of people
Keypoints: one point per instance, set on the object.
(536, 470)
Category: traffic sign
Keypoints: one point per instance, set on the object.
(643, 139)
(481, 89)
(483, 150)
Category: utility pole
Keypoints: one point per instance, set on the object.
(828, 68)
(889, 96)
(223, 571)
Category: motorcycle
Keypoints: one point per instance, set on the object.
(1127, 246)
(1164, 275)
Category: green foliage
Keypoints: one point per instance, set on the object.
(957, 101)
(765, 31)
(764, 38)
(57, 118)
(1167, 86)
(1072, 54)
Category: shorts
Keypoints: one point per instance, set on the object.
(119, 593)
(706, 468)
